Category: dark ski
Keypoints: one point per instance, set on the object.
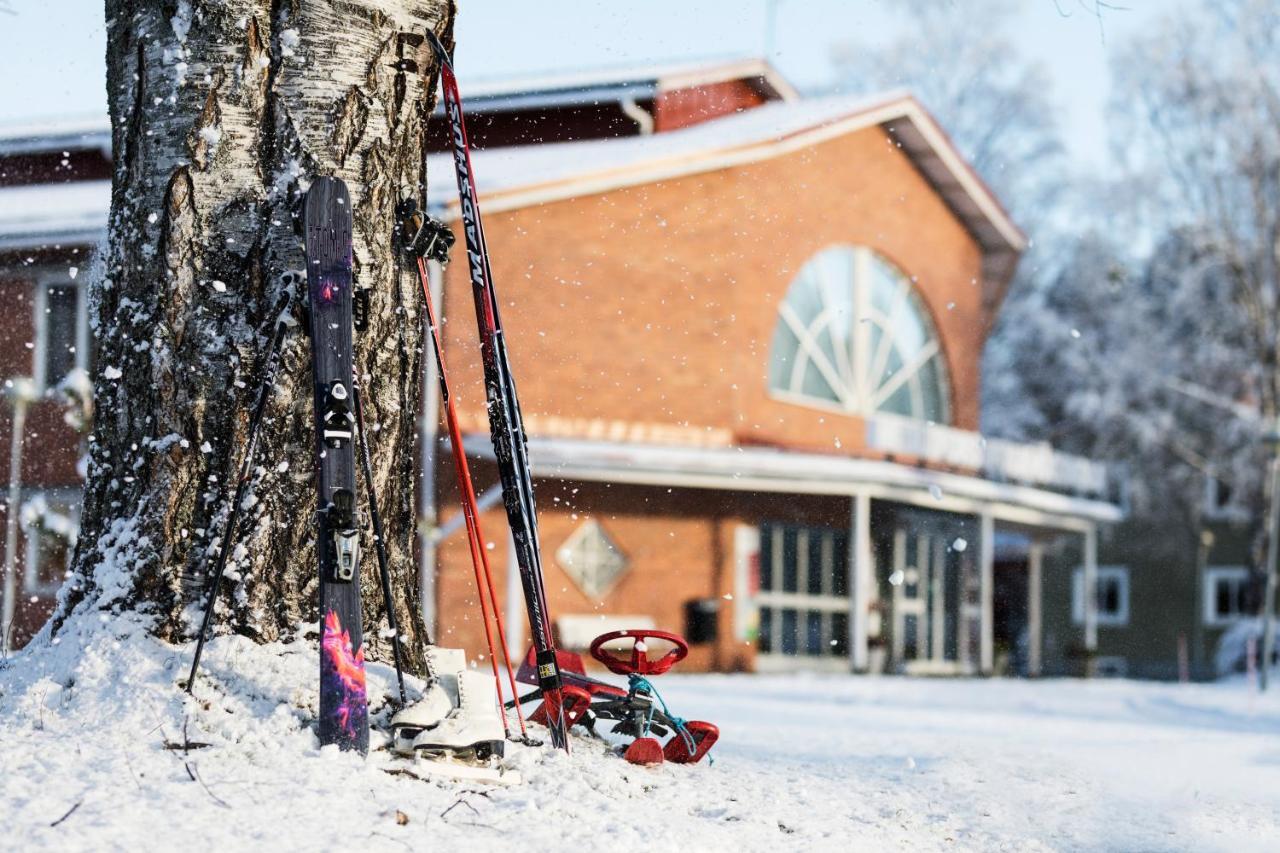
(505, 424)
(344, 710)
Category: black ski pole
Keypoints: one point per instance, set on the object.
(380, 543)
(505, 424)
(268, 379)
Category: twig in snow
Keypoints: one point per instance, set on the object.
(400, 841)
(195, 777)
(137, 781)
(461, 801)
(187, 743)
(70, 812)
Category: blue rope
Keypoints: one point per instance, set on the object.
(639, 683)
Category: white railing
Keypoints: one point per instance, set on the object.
(1032, 464)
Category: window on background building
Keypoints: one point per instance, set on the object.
(803, 595)
(1220, 501)
(1113, 596)
(853, 335)
(61, 330)
(591, 559)
(1226, 594)
(50, 522)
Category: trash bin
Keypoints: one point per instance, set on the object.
(702, 620)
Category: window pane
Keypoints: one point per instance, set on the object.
(840, 552)
(766, 630)
(934, 390)
(790, 634)
(818, 575)
(53, 555)
(886, 287)
(899, 402)
(813, 633)
(1239, 589)
(840, 634)
(790, 561)
(1223, 596)
(60, 333)
(1109, 596)
(814, 384)
(822, 299)
(766, 557)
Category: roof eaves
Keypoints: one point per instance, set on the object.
(899, 113)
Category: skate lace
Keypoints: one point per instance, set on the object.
(638, 683)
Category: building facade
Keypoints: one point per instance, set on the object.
(747, 330)
(748, 351)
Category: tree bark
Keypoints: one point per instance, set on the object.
(222, 113)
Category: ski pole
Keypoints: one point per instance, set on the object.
(422, 242)
(504, 410)
(270, 364)
(379, 542)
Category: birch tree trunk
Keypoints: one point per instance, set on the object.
(222, 113)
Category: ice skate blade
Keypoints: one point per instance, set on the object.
(429, 768)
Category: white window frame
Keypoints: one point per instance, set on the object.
(587, 576)
(864, 393)
(45, 280)
(1212, 574)
(1212, 511)
(31, 584)
(1118, 619)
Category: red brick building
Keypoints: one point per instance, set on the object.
(747, 331)
(55, 189)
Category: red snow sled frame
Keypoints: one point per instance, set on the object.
(637, 711)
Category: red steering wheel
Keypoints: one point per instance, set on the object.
(640, 664)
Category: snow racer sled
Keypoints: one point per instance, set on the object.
(638, 711)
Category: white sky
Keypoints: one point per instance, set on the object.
(52, 54)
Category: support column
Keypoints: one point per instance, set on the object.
(987, 569)
(1090, 595)
(861, 582)
(1035, 617)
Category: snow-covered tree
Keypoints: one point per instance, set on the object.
(221, 114)
(993, 100)
(1199, 99)
(1174, 371)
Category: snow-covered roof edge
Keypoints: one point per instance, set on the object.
(35, 215)
(516, 177)
(630, 81)
(77, 132)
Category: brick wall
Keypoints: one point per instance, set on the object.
(678, 545)
(658, 303)
(679, 108)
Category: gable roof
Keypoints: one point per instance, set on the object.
(516, 177)
(592, 86)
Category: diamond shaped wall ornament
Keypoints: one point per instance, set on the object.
(591, 559)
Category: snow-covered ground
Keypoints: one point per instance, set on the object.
(91, 732)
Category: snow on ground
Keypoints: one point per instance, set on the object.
(91, 732)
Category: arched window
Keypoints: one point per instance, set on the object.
(852, 334)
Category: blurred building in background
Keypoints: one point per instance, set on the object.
(747, 328)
